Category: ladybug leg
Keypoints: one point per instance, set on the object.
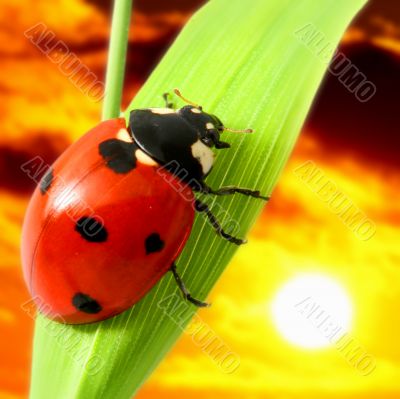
(214, 136)
(202, 207)
(185, 291)
(229, 190)
(168, 103)
(221, 145)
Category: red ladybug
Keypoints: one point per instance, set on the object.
(112, 214)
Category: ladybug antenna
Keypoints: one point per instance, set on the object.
(179, 94)
(227, 129)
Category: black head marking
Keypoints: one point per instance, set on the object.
(91, 229)
(46, 181)
(119, 155)
(209, 126)
(168, 139)
(85, 303)
(153, 243)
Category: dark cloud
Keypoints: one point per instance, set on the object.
(342, 124)
(12, 178)
(386, 10)
(153, 6)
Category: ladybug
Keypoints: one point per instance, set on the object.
(111, 215)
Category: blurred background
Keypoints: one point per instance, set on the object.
(298, 245)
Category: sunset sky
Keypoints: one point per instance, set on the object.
(355, 145)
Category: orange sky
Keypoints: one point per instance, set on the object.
(297, 232)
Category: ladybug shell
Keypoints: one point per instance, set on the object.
(102, 228)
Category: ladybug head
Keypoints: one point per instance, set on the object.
(180, 140)
(209, 126)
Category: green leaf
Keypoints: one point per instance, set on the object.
(244, 62)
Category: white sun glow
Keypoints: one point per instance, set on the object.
(308, 307)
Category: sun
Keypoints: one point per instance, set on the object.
(302, 306)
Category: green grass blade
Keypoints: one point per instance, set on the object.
(244, 63)
(116, 59)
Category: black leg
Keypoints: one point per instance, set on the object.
(202, 207)
(219, 145)
(229, 190)
(185, 291)
(168, 103)
(214, 135)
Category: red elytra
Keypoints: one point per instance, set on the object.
(145, 219)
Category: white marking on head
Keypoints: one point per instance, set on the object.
(196, 111)
(210, 126)
(124, 136)
(204, 155)
(143, 158)
(162, 111)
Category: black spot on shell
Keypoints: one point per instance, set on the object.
(85, 303)
(119, 155)
(91, 230)
(46, 181)
(153, 243)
